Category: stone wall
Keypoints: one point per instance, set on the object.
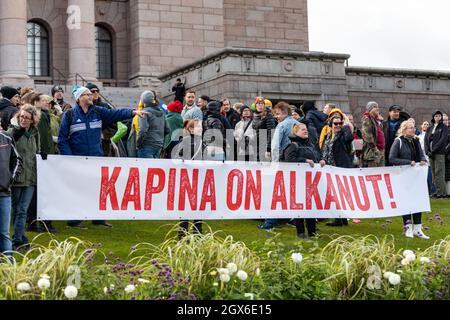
(266, 24)
(241, 74)
(420, 93)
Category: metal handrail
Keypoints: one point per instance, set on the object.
(63, 78)
(77, 75)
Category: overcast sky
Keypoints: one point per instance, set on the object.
(412, 34)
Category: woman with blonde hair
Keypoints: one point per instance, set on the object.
(406, 150)
(263, 122)
(26, 136)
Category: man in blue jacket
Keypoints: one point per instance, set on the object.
(81, 131)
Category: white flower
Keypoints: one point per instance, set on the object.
(394, 279)
(105, 290)
(258, 272)
(223, 271)
(424, 260)
(250, 295)
(297, 257)
(410, 257)
(71, 292)
(215, 284)
(23, 286)
(112, 287)
(43, 284)
(130, 288)
(232, 267)
(143, 281)
(44, 276)
(387, 274)
(407, 252)
(213, 273)
(269, 254)
(405, 262)
(242, 275)
(224, 277)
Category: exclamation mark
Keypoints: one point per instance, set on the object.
(387, 180)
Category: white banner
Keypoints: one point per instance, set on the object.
(80, 188)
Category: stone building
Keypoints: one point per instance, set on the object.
(238, 48)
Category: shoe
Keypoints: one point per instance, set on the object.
(334, 224)
(302, 236)
(264, 227)
(22, 248)
(103, 224)
(356, 221)
(290, 223)
(417, 231)
(35, 228)
(78, 226)
(409, 231)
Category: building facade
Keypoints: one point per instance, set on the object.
(237, 48)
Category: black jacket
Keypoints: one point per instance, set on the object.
(317, 118)
(269, 123)
(387, 138)
(10, 163)
(7, 111)
(211, 125)
(233, 117)
(342, 148)
(436, 143)
(180, 91)
(300, 150)
(404, 151)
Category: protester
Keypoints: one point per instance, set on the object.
(327, 126)
(214, 132)
(406, 150)
(58, 96)
(245, 136)
(191, 111)
(337, 150)
(301, 150)
(263, 124)
(435, 143)
(81, 129)
(175, 124)
(390, 128)
(447, 160)
(328, 108)
(237, 106)
(191, 147)
(202, 102)
(232, 115)
(8, 105)
(313, 115)
(180, 90)
(283, 130)
(10, 167)
(24, 131)
(373, 137)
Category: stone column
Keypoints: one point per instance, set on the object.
(13, 43)
(82, 51)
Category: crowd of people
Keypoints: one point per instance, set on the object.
(195, 127)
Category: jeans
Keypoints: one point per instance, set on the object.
(149, 152)
(5, 221)
(438, 167)
(21, 199)
(416, 218)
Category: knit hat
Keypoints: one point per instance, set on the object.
(245, 107)
(175, 106)
(9, 92)
(148, 98)
(56, 88)
(435, 113)
(371, 105)
(267, 102)
(206, 98)
(78, 91)
(214, 106)
(91, 86)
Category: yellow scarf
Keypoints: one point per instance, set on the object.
(136, 118)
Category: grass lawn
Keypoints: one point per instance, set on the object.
(126, 234)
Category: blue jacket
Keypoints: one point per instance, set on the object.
(82, 136)
(280, 138)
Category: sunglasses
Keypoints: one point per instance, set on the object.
(25, 118)
(338, 123)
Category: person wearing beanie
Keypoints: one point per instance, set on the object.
(373, 137)
(245, 136)
(175, 123)
(214, 132)
(268, 104)
(58, 96)
(152, 129)
(391, 126)
(80, 133)
(435, 148)
(317, 118)
(8, 105)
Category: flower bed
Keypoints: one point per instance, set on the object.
(213, 266)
